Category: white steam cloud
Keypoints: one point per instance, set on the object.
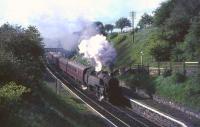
(98, 49)
(60, 32)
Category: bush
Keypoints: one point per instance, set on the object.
(121, 38)
(186, 93)
(113, 35)
(12, 93)
(140, 79)
(161, 52)
(167, 73)
(179, 77)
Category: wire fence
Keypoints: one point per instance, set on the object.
(185, 68)
(159, 68)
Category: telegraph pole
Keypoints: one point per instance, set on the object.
(133, 17)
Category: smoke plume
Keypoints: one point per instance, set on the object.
(60, 32)
(98, 49)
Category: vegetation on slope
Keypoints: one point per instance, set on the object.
(24, 108)
(172, 36)
(24, 99)
(186, 92)
(129, 53)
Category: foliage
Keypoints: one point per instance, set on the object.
(145, 21)
(21, 53)
(176, 19)
(167, 73)
(177, 53)
(113, 35)
(178, 77)
(109, 27)
(122, 22)
(186, 93)
(73, 108)
(161, 52)
(12, 93)
(9, 67)
(99, 27)
(139, 79)
(43, 109)
(120, 39)
(192, 41)
(163, 12)
(128, 53)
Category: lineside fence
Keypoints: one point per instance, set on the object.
(185, 68)
(158, 68)
(56, 85)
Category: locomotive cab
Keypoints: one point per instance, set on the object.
(112, 89)
(102, 84)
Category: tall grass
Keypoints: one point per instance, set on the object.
(187, 92)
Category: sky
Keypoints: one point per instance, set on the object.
(53, 16)
(108, 11)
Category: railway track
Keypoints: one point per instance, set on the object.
(116, 116)
(110, 118)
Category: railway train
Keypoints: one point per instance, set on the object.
(102, 84)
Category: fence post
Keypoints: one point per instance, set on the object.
(56, 86)
(184, 71)
(159, 68)
(198, 68)
(170, 65)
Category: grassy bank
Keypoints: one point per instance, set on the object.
(71, 107)
(30, 111)
(187, 92)
(44, 108)
(129, 52)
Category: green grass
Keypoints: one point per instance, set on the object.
(72, 108)
(187, 93)
(45, 108)
(32, 111)
(130, 53)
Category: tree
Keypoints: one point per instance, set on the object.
(174, 17)
(145, 21)
(99, 27)
(161, 52)
(192, 41)
(163, 12)
(22, 52)
(109, 27)
(122, 22)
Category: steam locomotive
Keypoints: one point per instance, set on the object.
(103, 85)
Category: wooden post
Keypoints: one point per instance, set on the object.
(56, 86)
(198, 73)
(184, 71)
(170, 65)
(159, 68)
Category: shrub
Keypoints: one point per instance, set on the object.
(113, 35)
(140, 79)
(167, 73)
(179, 77)
(121, 38)
(12, 93)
